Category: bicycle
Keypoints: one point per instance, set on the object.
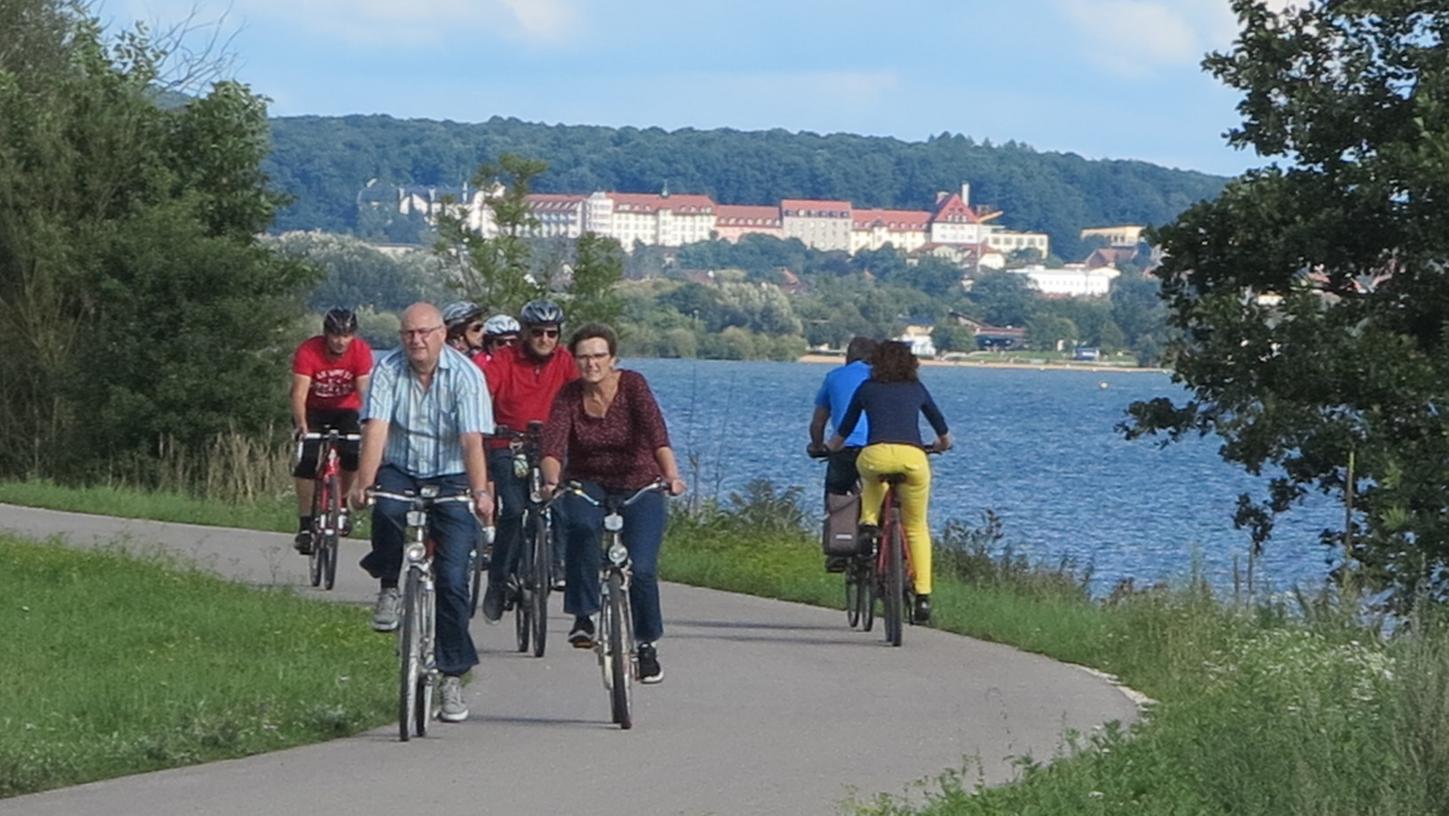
(617, 652)
(531, 580)
(893, 575)
(859, 568)
(327, 505)
(478, 560)
(418, 669)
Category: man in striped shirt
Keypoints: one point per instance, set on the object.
(426, 413)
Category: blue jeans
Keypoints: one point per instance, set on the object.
(454, 529)
(643, 534)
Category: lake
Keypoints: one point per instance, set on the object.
(1036, 446)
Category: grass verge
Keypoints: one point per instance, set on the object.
(117, 665)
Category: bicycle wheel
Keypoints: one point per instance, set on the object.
(620, 669)
(852, 596)
(475, 567)
(423, 710)
(541, 579)
(334, 523)
(894, 587)
(409, 655)
(522, 598)
(314, 561)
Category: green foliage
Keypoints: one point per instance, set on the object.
(1310, 297)
(357, 275)
(495, 271)
(1004, 298)
(597, 269)
(324, 161)
(134, 293)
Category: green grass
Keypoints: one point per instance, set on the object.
(279, 514)
(117, 665)
(1258, 710)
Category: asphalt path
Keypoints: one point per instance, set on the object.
(766, 707)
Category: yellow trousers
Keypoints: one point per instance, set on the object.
(915, 495)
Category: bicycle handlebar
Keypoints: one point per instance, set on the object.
(318, 435)
(373, 494)
(658, 485)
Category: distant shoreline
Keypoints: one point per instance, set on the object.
(1042, 366)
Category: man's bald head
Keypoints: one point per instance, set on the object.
(422, 336)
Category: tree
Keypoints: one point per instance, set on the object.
(134, 295)
(1311, 295)
(1005, 298)
(598, 267)
(495, 270)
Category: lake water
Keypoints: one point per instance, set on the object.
(1036, 446)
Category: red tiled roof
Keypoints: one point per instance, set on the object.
(895, 220)
(735, 215)
(953, 210)
(815, 207)
(686, 204)
(554, 201)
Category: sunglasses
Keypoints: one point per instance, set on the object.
(504, 341)
(476, 327)
(543, 332)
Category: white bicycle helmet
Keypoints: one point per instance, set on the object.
(500, 324)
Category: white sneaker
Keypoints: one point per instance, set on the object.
(454, 709)
(387, 610)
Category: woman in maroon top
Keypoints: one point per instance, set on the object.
(606, 432)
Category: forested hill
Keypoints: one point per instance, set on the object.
(324, 161)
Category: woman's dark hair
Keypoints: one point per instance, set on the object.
(589, 331)
(893, 362)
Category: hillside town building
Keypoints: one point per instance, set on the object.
(665, 219)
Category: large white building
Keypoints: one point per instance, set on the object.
(1072, 280)
(674, 220)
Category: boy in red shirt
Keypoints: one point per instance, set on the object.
(329, 376)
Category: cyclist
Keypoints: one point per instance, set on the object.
(499, 331)
(830, 403)
(524, 380)
(891, 399)
(329, 375)
(608, 428)
(464, 321)
(426, 413)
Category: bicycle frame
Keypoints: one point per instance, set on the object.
(327, 503)
(530, 570)
(417, 647)
(616, 650)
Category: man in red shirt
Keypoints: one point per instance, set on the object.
(523, 380)
(329, 376)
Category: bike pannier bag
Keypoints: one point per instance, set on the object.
(842, 515)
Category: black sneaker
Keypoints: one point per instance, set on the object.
(582, 635)
(303, 542)
(649, 670)
(493, 603)
(922, 612)
(836, 563)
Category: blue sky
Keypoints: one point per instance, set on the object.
(1100, 78)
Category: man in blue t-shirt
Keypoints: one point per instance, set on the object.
(830, 403)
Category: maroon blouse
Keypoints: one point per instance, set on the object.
(617, 450)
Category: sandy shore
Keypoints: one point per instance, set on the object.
(1013, 362)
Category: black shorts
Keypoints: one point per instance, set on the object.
(346, 422)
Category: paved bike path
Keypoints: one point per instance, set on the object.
(766, 707)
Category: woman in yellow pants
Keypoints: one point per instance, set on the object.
(892, 399)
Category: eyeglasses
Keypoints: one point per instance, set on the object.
(407, 333)
(476, 327)
(543, 332)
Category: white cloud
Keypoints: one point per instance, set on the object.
(1132, 38)
(387, 22)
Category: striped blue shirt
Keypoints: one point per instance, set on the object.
(424, 424)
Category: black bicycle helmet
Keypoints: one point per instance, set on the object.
(339, 321)
(541, 313)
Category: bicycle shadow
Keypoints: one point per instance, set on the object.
(756, 625)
